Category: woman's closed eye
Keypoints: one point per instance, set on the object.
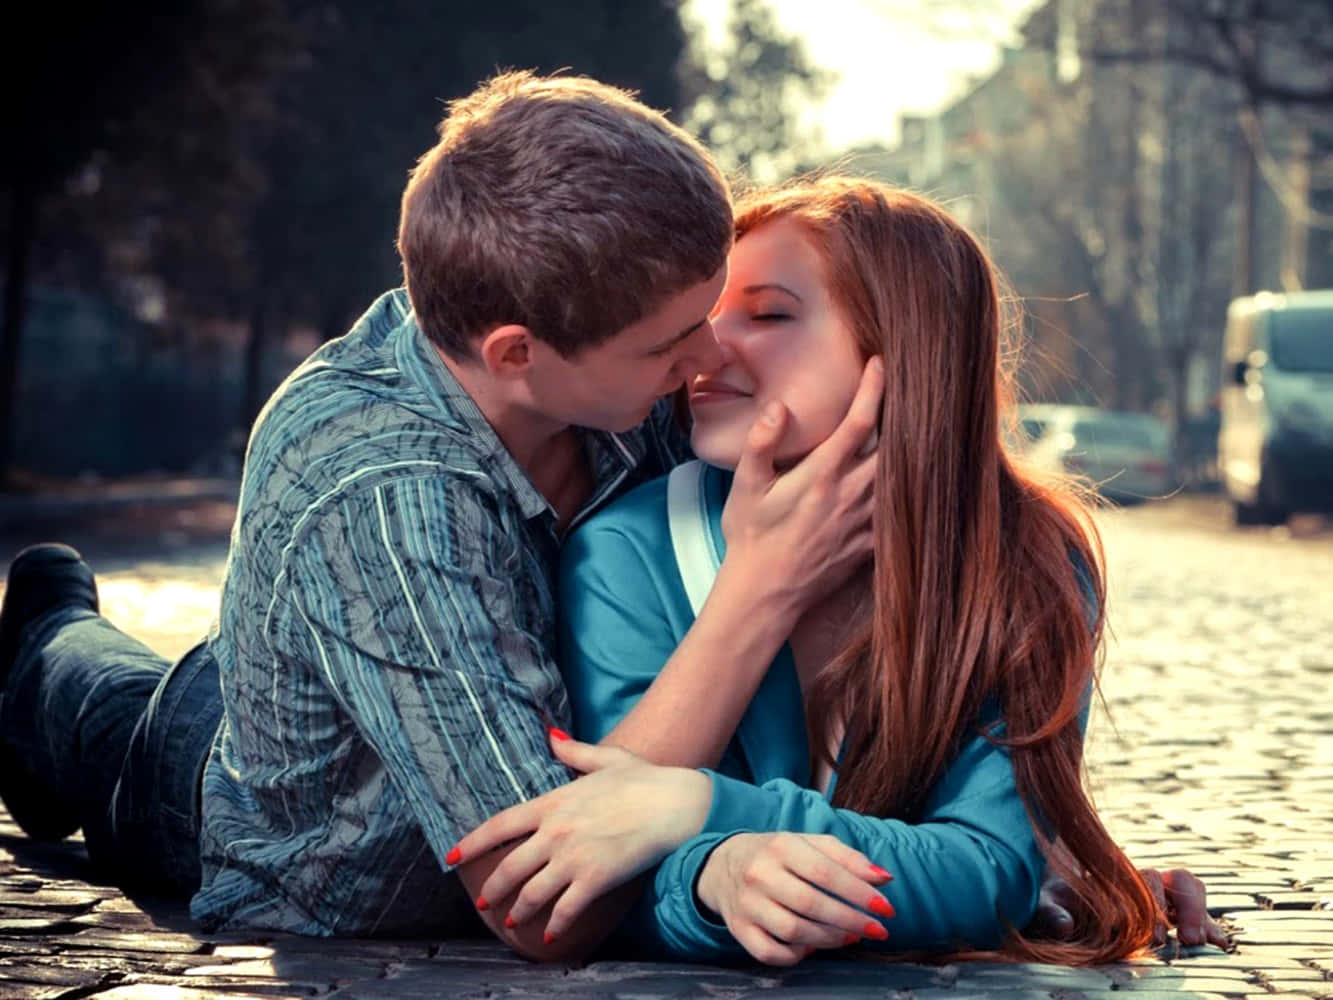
(770, 317)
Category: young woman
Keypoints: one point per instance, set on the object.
(927, 720)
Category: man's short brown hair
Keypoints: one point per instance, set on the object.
(561, 204)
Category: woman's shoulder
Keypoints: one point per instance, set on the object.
(641, 517)
(637, 517)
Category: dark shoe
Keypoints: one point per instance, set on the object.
(41, 578)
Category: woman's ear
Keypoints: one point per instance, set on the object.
(507, 351)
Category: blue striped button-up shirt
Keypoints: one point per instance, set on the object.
(385, 641)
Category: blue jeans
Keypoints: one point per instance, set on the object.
(123, 735)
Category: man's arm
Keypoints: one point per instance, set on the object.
(405, 601)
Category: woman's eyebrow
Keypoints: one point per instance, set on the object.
(751, 289)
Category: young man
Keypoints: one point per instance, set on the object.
(384, 646)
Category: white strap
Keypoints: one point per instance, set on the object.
(687, 514)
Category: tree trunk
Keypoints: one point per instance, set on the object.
(1242, 281)
(252, 393)
(22, 234)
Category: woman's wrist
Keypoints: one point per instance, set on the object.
(706, 895)
(761, 601)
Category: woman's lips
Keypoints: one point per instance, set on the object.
(703, 393)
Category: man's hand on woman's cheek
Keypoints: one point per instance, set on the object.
(620, 818)
(805, 531)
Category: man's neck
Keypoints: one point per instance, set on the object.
(547, 450)
(527, 436)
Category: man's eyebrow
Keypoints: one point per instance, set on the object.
(671, 342)
(751, 289)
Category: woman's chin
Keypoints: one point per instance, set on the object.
(723, 454)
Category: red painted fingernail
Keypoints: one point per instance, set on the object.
(880, 905)
(880, 873)
(453, 857)
(874, 930)
(481, 903)
(548, 937)
(559, 734)
(851, 939)
(510, 923)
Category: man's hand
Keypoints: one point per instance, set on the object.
(782, 895)
(601, 830)
(1181, 896)
(805, 531)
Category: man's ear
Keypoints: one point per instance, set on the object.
(507, 351)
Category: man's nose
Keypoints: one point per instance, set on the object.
(707, 354)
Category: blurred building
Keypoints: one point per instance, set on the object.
(1108, 191)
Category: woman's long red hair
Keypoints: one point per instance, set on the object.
(975, 592)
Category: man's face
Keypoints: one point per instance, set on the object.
(613, 386)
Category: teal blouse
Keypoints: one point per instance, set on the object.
(965, 871)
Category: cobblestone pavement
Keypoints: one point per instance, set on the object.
(1220, 760)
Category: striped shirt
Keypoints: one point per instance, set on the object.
(386, 641)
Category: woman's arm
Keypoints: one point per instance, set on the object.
(967, 871)
(791, 539)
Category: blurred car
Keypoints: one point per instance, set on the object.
(1275, 440)
(1031, 425)
(1126, 456)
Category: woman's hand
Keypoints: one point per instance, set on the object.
(1181, 896)
(1184, 901)
(619, 819)
(782, 894)
(804, 531)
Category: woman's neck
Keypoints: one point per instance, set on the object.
(822, 630)
(818, 637)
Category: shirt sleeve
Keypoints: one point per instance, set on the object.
(407, 592)
(969, 868)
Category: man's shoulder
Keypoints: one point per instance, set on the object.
(356, 411)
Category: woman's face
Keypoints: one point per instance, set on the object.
(782, 338)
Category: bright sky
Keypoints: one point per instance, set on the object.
(889, 58)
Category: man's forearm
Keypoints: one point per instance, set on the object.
(689, 714)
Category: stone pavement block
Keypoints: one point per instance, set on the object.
(318, 971)
(159, 991)
(230, 985)
(1005, 976)
(134, 941)
(1221, 902)
(1195, 984)
(27, 925)
(51, 899)
(50, 975)
(242, 952)
(31, 991)
(290, 946)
